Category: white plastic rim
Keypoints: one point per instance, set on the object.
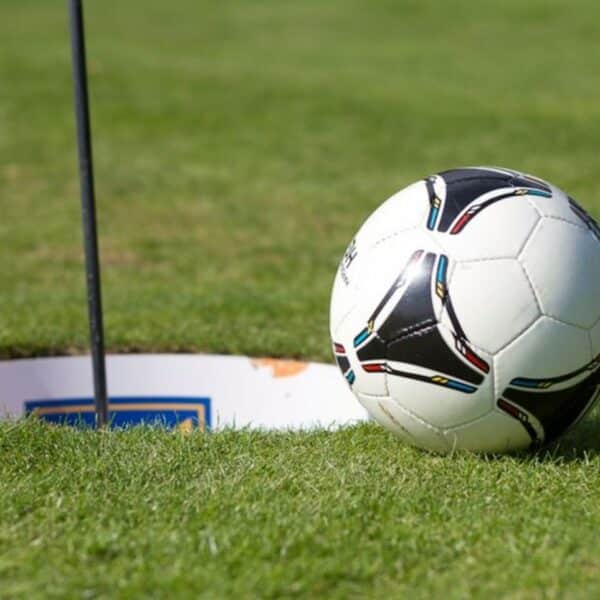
(185, 391)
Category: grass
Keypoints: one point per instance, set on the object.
(354, 513)
(238, 146)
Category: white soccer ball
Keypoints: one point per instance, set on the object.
(466, 312)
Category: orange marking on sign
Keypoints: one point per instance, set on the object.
(280, 367)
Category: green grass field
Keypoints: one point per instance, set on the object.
(238, 147)
(240, 514)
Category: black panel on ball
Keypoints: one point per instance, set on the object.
(465, 185)
(585, 217)
(427, 348)
(453, 176)
(375, 349)
(529, 182)
(556, 411)
(415, 308)
(343, 363)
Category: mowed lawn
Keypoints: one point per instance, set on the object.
(356, 513)
(240, 144)
(238, 147)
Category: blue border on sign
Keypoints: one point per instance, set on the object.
(127, 411)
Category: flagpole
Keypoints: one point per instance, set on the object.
(88, 210)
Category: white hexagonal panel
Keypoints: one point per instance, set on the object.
(493, 302)
(405, 424)
(557, 206)
(377, 407)
(343, 300)
(495, 432)
(404, 210)
(563, 263)
(498, 231)
(548, 349)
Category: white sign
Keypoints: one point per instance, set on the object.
(181, 390)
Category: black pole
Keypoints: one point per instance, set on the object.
(88, 209)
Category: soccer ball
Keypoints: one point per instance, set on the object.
(465, 312)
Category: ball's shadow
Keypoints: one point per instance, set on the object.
(581, 443)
